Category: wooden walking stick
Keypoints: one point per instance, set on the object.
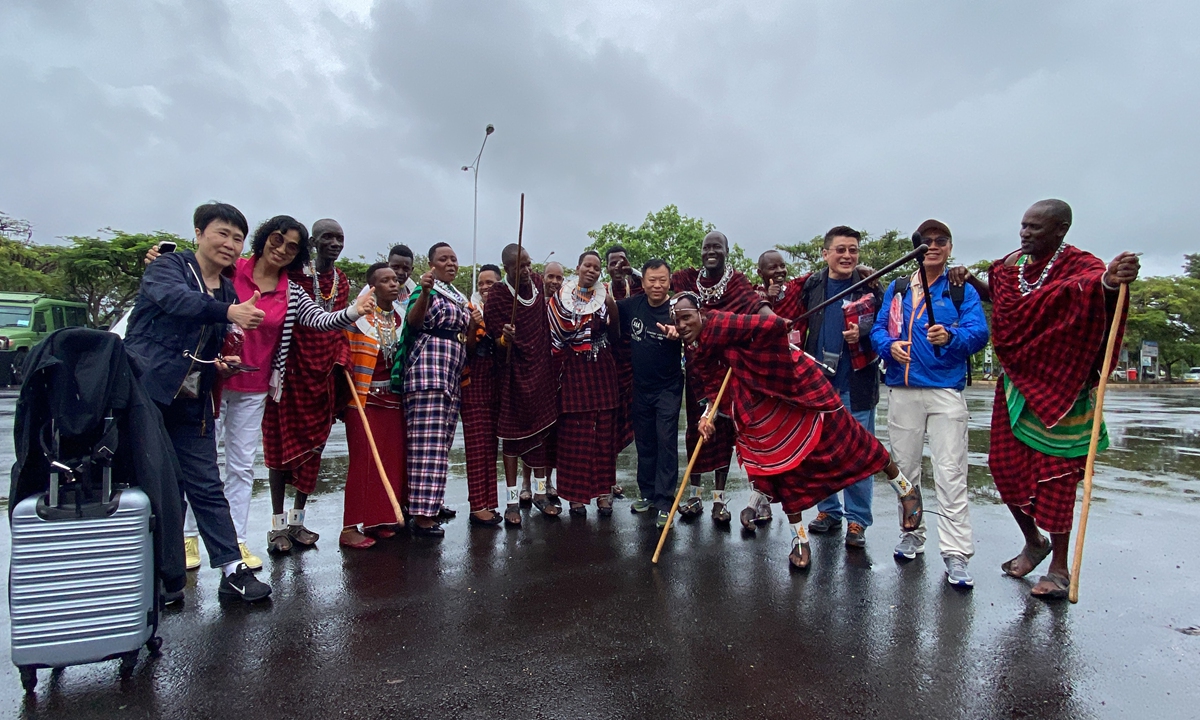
(683, 483)
(517, 285)
(1090, 468)
(387, 486)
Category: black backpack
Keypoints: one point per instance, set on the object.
(957, 293)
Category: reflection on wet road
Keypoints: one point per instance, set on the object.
(568, 618)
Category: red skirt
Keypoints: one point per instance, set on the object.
(366, 501)
(845, 454)
(1043, 486)
(586, 466)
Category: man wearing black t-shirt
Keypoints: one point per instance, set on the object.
(657, 389)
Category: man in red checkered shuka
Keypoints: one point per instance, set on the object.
(795, 438)
(1052, 305)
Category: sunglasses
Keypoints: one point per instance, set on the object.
(939, 241)
(276, 240)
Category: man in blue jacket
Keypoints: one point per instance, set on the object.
(175, 332)
(926, 371)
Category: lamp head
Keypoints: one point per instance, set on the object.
(466, 168)
(490, 129)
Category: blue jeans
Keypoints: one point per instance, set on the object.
(858, 496)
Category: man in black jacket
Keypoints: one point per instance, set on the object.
(176, 331)
(839, 338)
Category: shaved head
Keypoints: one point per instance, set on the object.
(1056, 209)
(718, 235)
(509, 253)
(556, 265)
(325, 225)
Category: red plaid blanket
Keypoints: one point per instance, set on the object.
(1051, 341)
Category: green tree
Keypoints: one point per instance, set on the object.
(874, 252)
(665, 234)
(1165, 310)
(105, 273)
(24, 266)
(1191, 265)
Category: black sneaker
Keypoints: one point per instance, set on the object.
(825, 523)
(242, 584)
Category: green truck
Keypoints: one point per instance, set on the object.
(26, 318)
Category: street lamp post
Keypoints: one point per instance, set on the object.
(475, 214)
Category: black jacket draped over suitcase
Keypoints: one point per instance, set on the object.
(74, 377)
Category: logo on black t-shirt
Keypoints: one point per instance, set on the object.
(636, 328)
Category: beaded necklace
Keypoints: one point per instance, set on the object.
(517, 295)
(326, 301)
(1025, 285)
(450, 292)
(385, 322)
(708, 296)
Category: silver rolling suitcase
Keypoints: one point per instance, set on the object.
(82, 585)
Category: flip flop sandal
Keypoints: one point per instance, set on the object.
(1034, 558)
(1061, 583)
(911, 510)
(748, 517)
(493, 520)
(546, 507)
(512, 516)
(800, 561)
(721, 514)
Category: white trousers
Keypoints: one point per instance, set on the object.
(240, 429)
(942, 413)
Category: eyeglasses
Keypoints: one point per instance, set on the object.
(940, 241)
(276, 239)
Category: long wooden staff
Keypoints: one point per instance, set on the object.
(711, 414)
(1090, 467)
(517, 284)
(387, 486)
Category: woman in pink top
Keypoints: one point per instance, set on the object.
(279, 244)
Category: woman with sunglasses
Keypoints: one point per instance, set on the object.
(279, 245)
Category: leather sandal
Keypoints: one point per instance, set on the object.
(278, 542)
(721, 514)
(604, 510)
(618, 492)
(380, 532)
(363, 544)
(512, 516)
(578, 510)
(748, 518)
(800, 558)
(491, 521)
(1060, 587)
(693, 507)
(911, 510)
(546, 507)
(1033, 555)
(525, 496)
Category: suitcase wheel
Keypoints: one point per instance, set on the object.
(154, 645)
(28, 677)
(128, 661)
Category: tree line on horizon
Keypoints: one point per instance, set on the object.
(104, 271)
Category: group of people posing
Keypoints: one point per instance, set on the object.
(559, 374)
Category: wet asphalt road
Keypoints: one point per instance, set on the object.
(568, 618)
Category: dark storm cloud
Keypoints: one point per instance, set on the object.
(775, 121)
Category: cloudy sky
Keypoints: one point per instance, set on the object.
(774, 120)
